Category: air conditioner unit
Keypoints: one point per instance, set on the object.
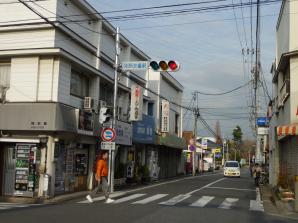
(88, 103)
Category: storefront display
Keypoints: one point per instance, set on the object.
(25, 169)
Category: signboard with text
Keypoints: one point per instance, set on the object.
(136, 110)
(165, 116)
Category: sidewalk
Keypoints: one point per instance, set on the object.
(274, 206)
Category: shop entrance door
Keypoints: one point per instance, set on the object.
(1, 169)
(9, 170)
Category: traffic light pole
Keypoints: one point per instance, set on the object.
(117, 48)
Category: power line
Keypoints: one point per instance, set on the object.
(163, 6)
(226, 92)
(16, 2)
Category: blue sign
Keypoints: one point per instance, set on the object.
(262, 121)
(144, 131)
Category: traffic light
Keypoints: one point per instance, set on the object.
(164, 65)
(105, 115)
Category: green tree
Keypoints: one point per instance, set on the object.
(237, 134)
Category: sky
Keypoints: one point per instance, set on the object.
(209, 51)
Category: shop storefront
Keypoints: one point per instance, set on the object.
(50, 154)
(125, 156)
(170, 155)
(144, 140)
(20, 163)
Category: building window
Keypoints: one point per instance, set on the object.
(150, 108)
(79, 84)
(106, 93)
(5, 75)
(177, 124)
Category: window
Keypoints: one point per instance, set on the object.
(106, 93)
(79, 85)
(176, 123)
(150, 108)
(5, 75)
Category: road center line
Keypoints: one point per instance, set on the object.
(208, 185)
(230, 188)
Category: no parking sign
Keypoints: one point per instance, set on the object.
(108, 134)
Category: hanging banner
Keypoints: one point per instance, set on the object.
(136, 107)
(165, 116)
(204, 143)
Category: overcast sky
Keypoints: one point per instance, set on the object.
(209, 51)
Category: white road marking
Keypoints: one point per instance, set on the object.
(230, 188)
(202, 201)
(208, 185)
(6, 206)
(131, 197)
(151, 186)
(101, 198)
(175, 200)
(150, 199)
(228, 203)
(257, 205)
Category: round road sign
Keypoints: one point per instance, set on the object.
(108, 134)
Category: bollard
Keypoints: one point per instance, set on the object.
(296, 193)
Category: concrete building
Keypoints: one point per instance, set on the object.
(170, 143)
(56, 70)
(283, 140)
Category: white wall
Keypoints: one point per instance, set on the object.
(294, 87)
(33, 79)
(282, 34)
(43, 38)
(17, 11)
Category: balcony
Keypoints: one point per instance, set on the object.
(284, 93)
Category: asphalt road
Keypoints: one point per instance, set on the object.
(207, 198)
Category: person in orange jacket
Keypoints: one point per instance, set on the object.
(101, 177)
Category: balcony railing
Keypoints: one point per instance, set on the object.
(284, 92)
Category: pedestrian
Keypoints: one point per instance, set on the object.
(101, 177)
(257, 174)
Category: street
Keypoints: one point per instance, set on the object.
(205, 198)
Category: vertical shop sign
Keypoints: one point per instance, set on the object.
(165, 116)
(136, 109)
(25, 169)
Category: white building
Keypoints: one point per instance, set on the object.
(283, 126)
(170, 143)
(50, 60)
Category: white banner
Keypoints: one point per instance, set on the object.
(165, 116)
(136, 106)
(204, 143)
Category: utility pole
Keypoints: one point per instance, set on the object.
(112, 153)
(195, 131)
(257, 79)
(227, 150)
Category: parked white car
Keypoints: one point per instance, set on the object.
(232, 169)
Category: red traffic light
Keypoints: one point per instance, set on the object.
(162, 65)
(173, 65)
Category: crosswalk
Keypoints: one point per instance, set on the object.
(183, 199)
(9, 206)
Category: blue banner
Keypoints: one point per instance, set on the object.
(144, 131)
(262, 121)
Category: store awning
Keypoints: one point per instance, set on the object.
(172, 141)
(287, 130)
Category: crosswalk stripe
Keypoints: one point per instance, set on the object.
(256, 205)
(150, 199)
(228, 203)
(175, 200)
(202, 201)
(131, 197)
(101, 198)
